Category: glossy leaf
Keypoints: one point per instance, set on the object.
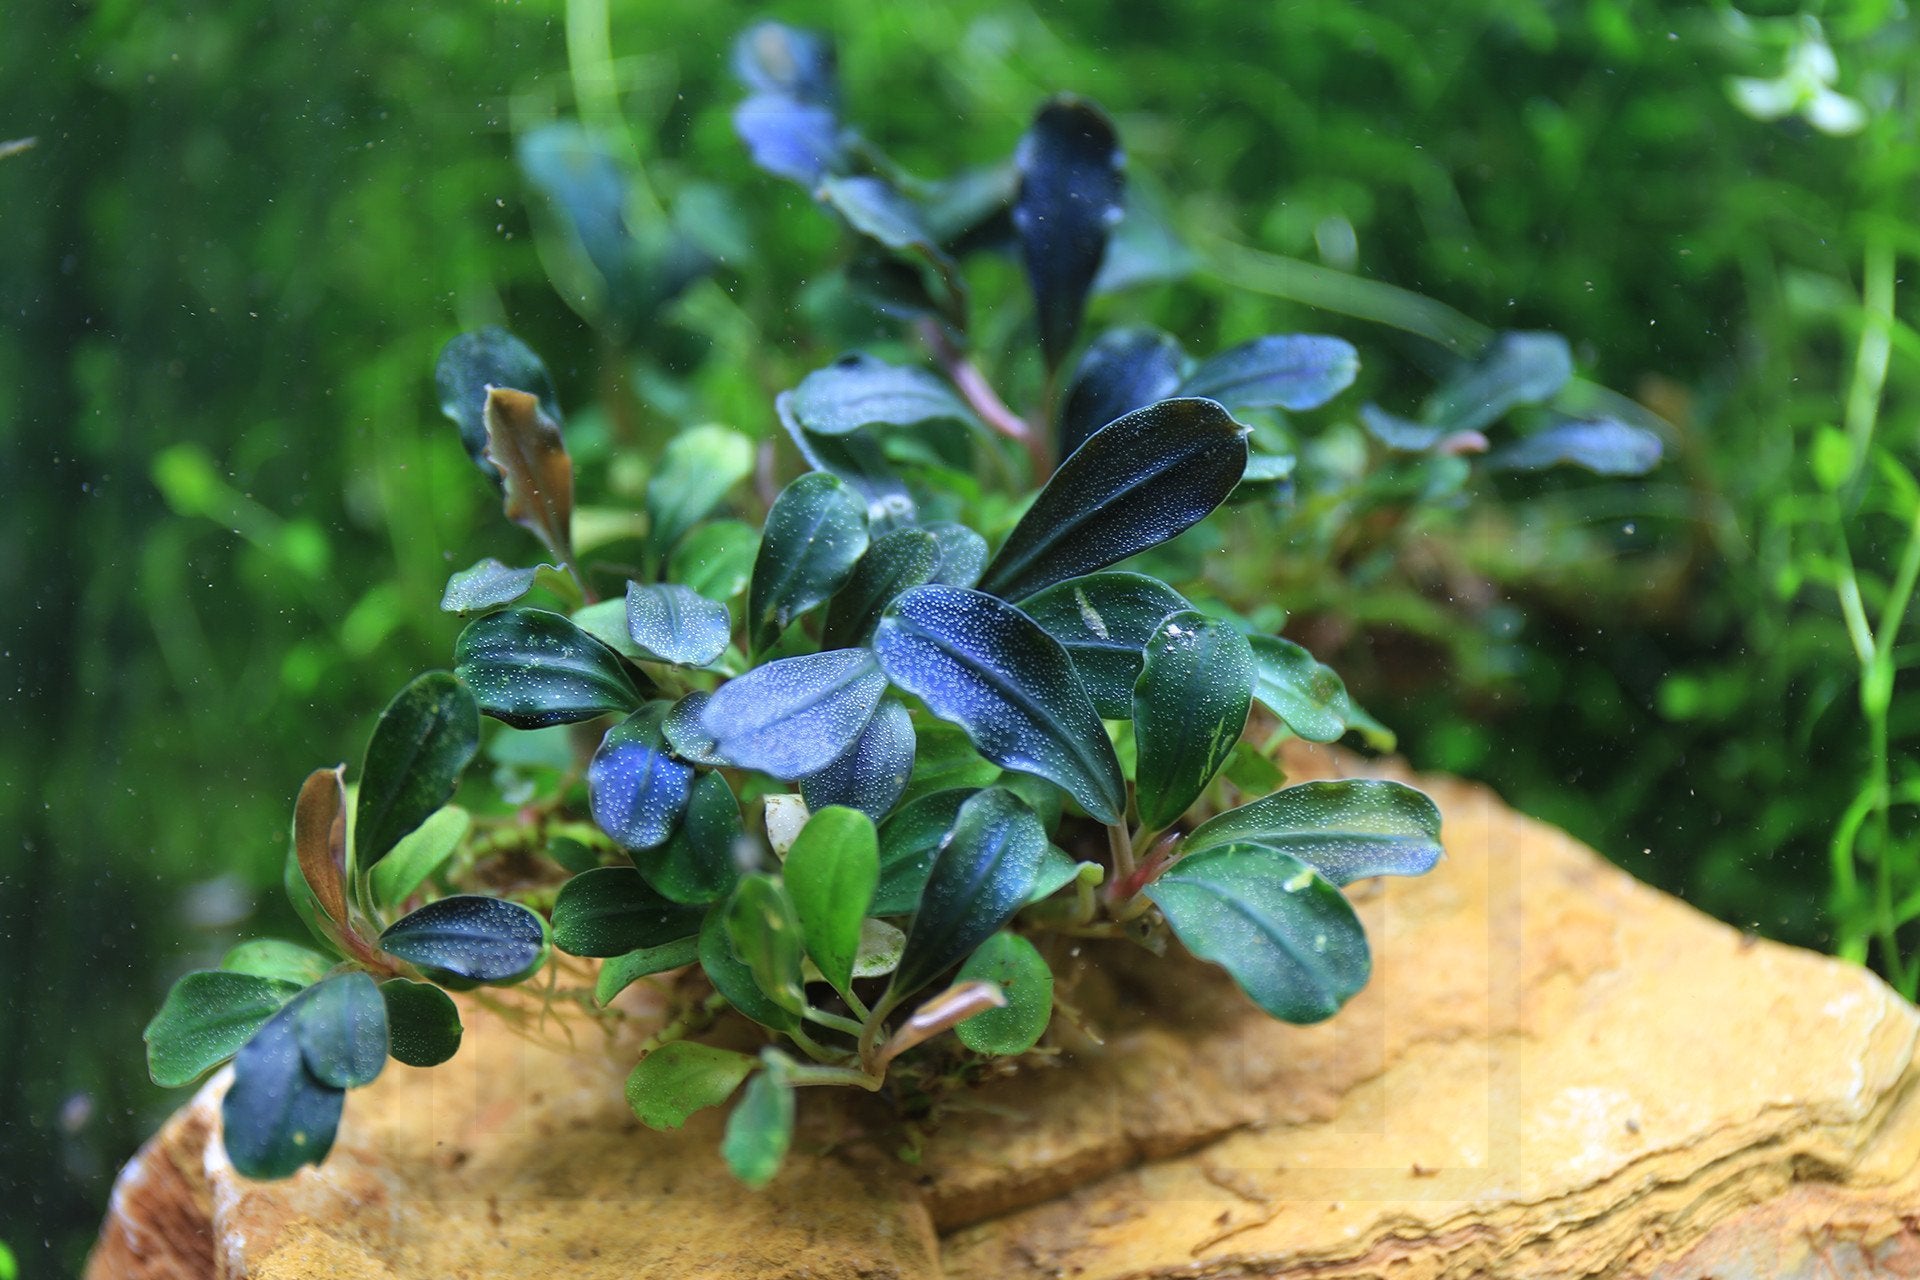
(342, 1029)
(423, 1026)
(697, 469)
(320, 842)
(855, 459)
(959, 554)
(894, 562)
(799, 141)
(733, 979)
(1072, 180)
(815, 534)
(1189, 709)
(1104, 621)
(759, 1130)
(420, 853)
(765, 933)
(684, 734)
(981, 876)
(796, 716)
(1345, 830)
(613, 910)
(530, 669)
(871, 774)
(1123, 370)
(676, 624)
(1292, 371)
(682, 1077)
(470, 938)
(1011, 963)
(715, 559)
(635, 788)
(282, 961)
(423, 742)
(1305, 693)
(909, 838)
(276, 1116)
(1286, 935)
(859, 390)
(1057, 871)
(524, 442)
(489, 584)
(470, 366)
(830, 874)
(1134, 484)
(622, 971)
(1516, 369)
(697, 866)
(1604, 446)
(982, 664)
(206, 1018)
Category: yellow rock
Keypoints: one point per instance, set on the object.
(1555, 1072)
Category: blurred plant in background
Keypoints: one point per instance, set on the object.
(229, 507)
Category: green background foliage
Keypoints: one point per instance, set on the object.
(228, 505)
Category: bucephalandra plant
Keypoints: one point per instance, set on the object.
(858, 769)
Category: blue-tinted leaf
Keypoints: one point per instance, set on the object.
(1345, 830)
(471, 938)
(613, 910)
(206, 1018)
(982, 664)
(423, 742)
(1072, 178)
(799, 141)
(1517, 369)
(981, 876)
(531, 668)
(1123, 370)
(1144, 248)
(1604, 446)
(635, 789)
(684, 733)
(1189, 708)
(697, 865)
(1305, 693)
(1134, 484)
(696, 471)
(855, 458)
(1012, 964)
(423, 1026)
(1292, 371)
(473, 364)
(277, 1117)
(1400, 434)
(858, 390)
(342, 1029)
(894, 562)
(1286, 935)
(871, 774)
(676, 624)
(815, 534)
(909, 838)
(488, 584)
(1104, 621)
(733, 979)
(959, 554)
(796, 716)
(772, 57)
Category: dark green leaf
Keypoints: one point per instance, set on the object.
(871, 774)
(682, 1077)
(972, 211)
(1285, 934)
(765, 934)
(531, 668)
(1104, 621)
(683, 731)
(815, 533)
(423, 851)
(1189, 709)
(697, 469)
(1605, 446)
(1011, 963)
(613, 910)
(759, 1130)
(1516, 369)
(272, 958)
(423, 1026)
(1345, 830)
(635, 789)
(676, 624)
(342, 1029)
(206, 1018)
(982, 664)
(276, 1116)
(830, 875)
(875, 210)
(1072, 179)
(423, 742)
(470, 938)
(1124, 370)
(1134, 484)
(796, 716)
(856, 459)
(858, 390)
(733, 979)
(1292, 371)
(1306, 694)
(981, 876)
(908, 840)
(715, 559)
(622, 971)
(525, 444)
(893, 563)
(472, 365)
(959, 554)
(697, 865)
(489, 585)
(944, 758)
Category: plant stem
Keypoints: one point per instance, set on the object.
(1120, 845)
(981, 397)
(835, 1021)
(803, 1074)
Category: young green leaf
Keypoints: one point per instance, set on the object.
(765, 934)
(981, 876)
(1286, 935)
(909, 838)
(682, 1077)
(423, 1026)
(858, 390)
(1104, 621)
(815, 533)
(759, 1130)
(696, 865)
(622, 971)
(677, 625)
(1308, 695)
(894, 563)
(1189, 708)
(342, 1029)
(830, 874)
(635, 789)
(206, 1018)
(732, 978)
(1013, 964)
(871, 774)
(1292, 371)
(420, 853)
(1123, 370)
(715, 559)
(613, 910)
(524, 443)
(488, 584)
(1345, 830)
(423, 742)
(283, 961)
(1072, 178)
(697, 469)
(1134, 484)
(470, 938)
(277, 1116)
(795, 716)
(320, 843)
(470, 366)
(530, 669)
(982, 664)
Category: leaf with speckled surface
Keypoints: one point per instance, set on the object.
(1104, 621)
(531, 669)
(795, 716)
(1189, 708)
(1292, 371)
(471, 938)
(815, 534)
(675, 624)
(1346, 830)
(871, 775)
(635, 788)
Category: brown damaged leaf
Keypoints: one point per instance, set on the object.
(526, 445)
(320, 839)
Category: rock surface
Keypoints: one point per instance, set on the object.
(1556, 1072)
